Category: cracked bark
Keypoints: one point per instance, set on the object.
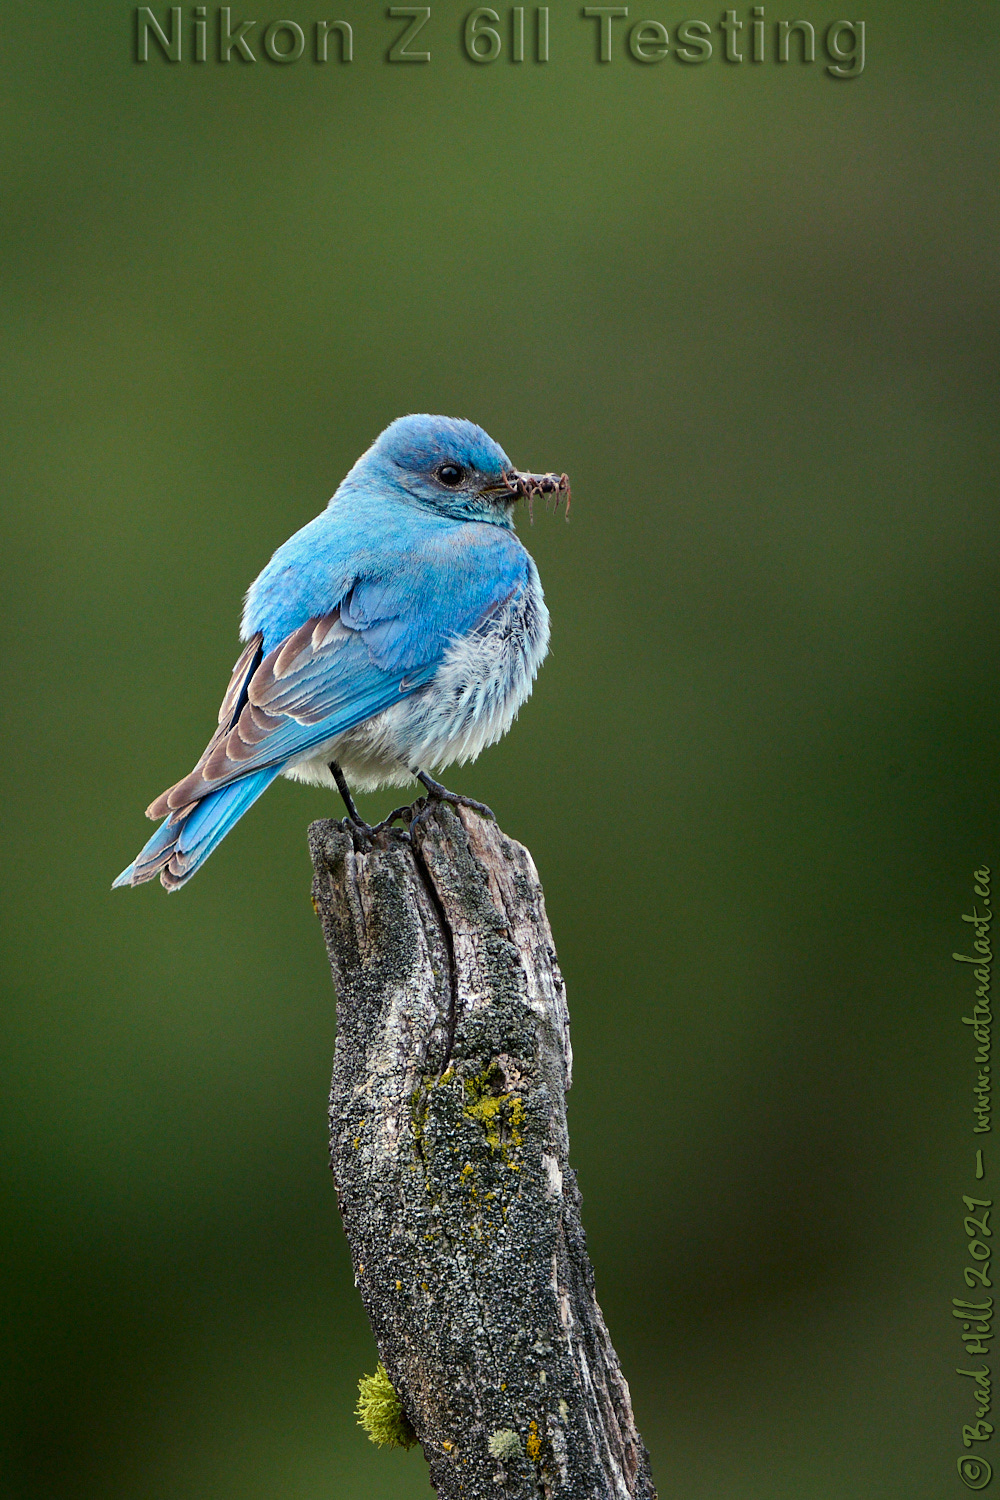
(449, 1150)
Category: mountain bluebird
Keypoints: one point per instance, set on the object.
(399, 631)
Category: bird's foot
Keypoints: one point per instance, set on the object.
(404, 814)
(364, 834)
(438, 793)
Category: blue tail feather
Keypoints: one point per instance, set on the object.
(182, 843)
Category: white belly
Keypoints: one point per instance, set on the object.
(471, 701)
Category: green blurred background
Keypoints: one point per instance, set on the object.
(752, 311)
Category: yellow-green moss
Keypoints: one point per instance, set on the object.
(380, 1414)
(496, 1113)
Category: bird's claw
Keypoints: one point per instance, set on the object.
(365, 834)
(362, 833)
(404, 813)
(438, 793)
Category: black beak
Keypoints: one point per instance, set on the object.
(526, 486)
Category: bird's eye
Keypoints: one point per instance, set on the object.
(450, 474)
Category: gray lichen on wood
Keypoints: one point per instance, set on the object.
(450, 1156)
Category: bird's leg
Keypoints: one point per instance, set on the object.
(438, 793)
(348, 800)
(358, 821)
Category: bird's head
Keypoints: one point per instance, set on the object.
(452, 466)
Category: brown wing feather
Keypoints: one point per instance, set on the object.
(264, 693)
(232, 707)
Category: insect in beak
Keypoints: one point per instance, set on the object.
(527, 486)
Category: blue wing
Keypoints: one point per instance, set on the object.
(385, 638)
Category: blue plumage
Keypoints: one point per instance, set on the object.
(397, 632)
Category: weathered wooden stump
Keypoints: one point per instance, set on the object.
(449, 1151)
